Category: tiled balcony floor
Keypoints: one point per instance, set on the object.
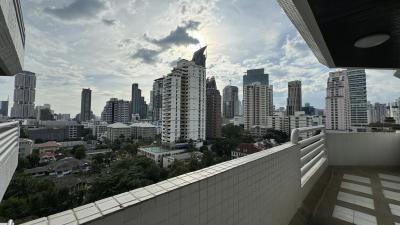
(362, 196)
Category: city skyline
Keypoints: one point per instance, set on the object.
(132, 53)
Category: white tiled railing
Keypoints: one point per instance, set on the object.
(261, 188)
(9, 134)
(313, 156)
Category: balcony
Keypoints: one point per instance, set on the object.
(329, 178)
(9, 134)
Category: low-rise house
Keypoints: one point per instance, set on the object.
(143, 130)
(185, 157)
(25, 147)
(60, 168)
(50, 146)
(157, 153)
(47, 157)
(118, 130)
(246, 149)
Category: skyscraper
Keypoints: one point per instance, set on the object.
(24, 95)
(358, 97)
(337, 101)
(86, 104)
(4, 108)
(256, 75)
(184, 101)
(138, 104)
(294, 97)
(213, 110)
(230, 101)
(157, 99)
(258, 104)
(116, 111)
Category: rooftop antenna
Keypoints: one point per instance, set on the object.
(230, 82)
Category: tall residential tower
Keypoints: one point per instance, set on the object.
(337, 102)
(184, 101)
(24, 95)
(213, 112)
(231, 102)
(358, 97)
(294, 97)
(86, 104)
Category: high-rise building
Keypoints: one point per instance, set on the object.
(213, 110)
(157, 99)
(294, 97)
(138, 104)
(337, 102)
(376, 113)
(230, 101)
(86, 104)
(184, 101)
(44, 112)
(116, 111)
(24, 95)
(308, 109)
(256, 75)
(12, 38)
(358, 97)
(4, 108)
(258, 104)
(393, 110)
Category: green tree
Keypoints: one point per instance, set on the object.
(79, 151)
(116, 145)
(178, 168)
(34, 158)
(278, 136)
(125, 175)
(208, 158)
(232, 131)
(130, 148)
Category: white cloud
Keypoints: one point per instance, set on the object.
(70, 54)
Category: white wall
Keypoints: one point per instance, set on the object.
(363, 149)
(262, 188)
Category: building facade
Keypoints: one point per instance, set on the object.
(12, 38)
(4, 108)
(255, 75)
(358, 97)
(138, 104)
(337, 104)
(116, 111)
(231, 104)
(213, 110)
(377, 113)
(184, 101)
(156, 97)
(24, 95)
(258, 104)
(294, 97)
(86, 104)
(394, 110)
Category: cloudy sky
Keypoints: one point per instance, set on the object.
(107, 45)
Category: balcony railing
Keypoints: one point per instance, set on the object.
(262, 188)
(9, 134)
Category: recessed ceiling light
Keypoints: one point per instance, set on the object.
(371, 40)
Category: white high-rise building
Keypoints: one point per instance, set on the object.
(257, 103)
(24, 95)
(184, 101)
(394, 110)
(337, 102)
(116, 111)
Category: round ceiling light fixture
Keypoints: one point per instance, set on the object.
(371, 40)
